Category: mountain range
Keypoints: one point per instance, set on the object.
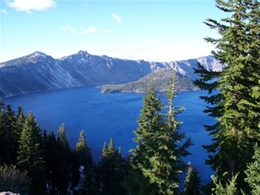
(38, 71)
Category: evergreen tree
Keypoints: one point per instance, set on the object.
(83, 151)
(253, 172)
(10, 119)
(65, 161)
(20, 119)
(149, 120)
(2, 137)
(136, 184)
(160, 146)
(13, 135)
(228, 188)
(236, 104)
(8, 137)
(192, 184)
(85, 167)
(52, 160)
(30, 155)
(111, 171)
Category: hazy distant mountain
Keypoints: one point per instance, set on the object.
(38, 71)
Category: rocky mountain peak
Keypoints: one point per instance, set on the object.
(34, 57)
(37, 54)
(37, 57)
(82, 53)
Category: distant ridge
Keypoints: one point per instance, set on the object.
(38, 71)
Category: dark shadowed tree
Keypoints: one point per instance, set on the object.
(12, 134)
(2, 137)
(85, 167)
(52, 161)
(30, 155)
(192, 184)
(20, 120)
(64, 151)
(111, 171)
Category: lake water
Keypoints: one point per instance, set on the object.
(105, 116)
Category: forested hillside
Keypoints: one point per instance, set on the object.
(159, 78)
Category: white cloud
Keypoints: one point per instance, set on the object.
(107, 31)
(69, 28)
(28, 5)
(117, 18)
(3, 11)
(90, 30)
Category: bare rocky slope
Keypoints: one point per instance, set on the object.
(38, 71)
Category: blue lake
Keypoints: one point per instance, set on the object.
(105, 116)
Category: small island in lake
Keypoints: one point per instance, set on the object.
(160, 78)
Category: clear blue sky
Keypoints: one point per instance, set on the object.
(149, 30)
